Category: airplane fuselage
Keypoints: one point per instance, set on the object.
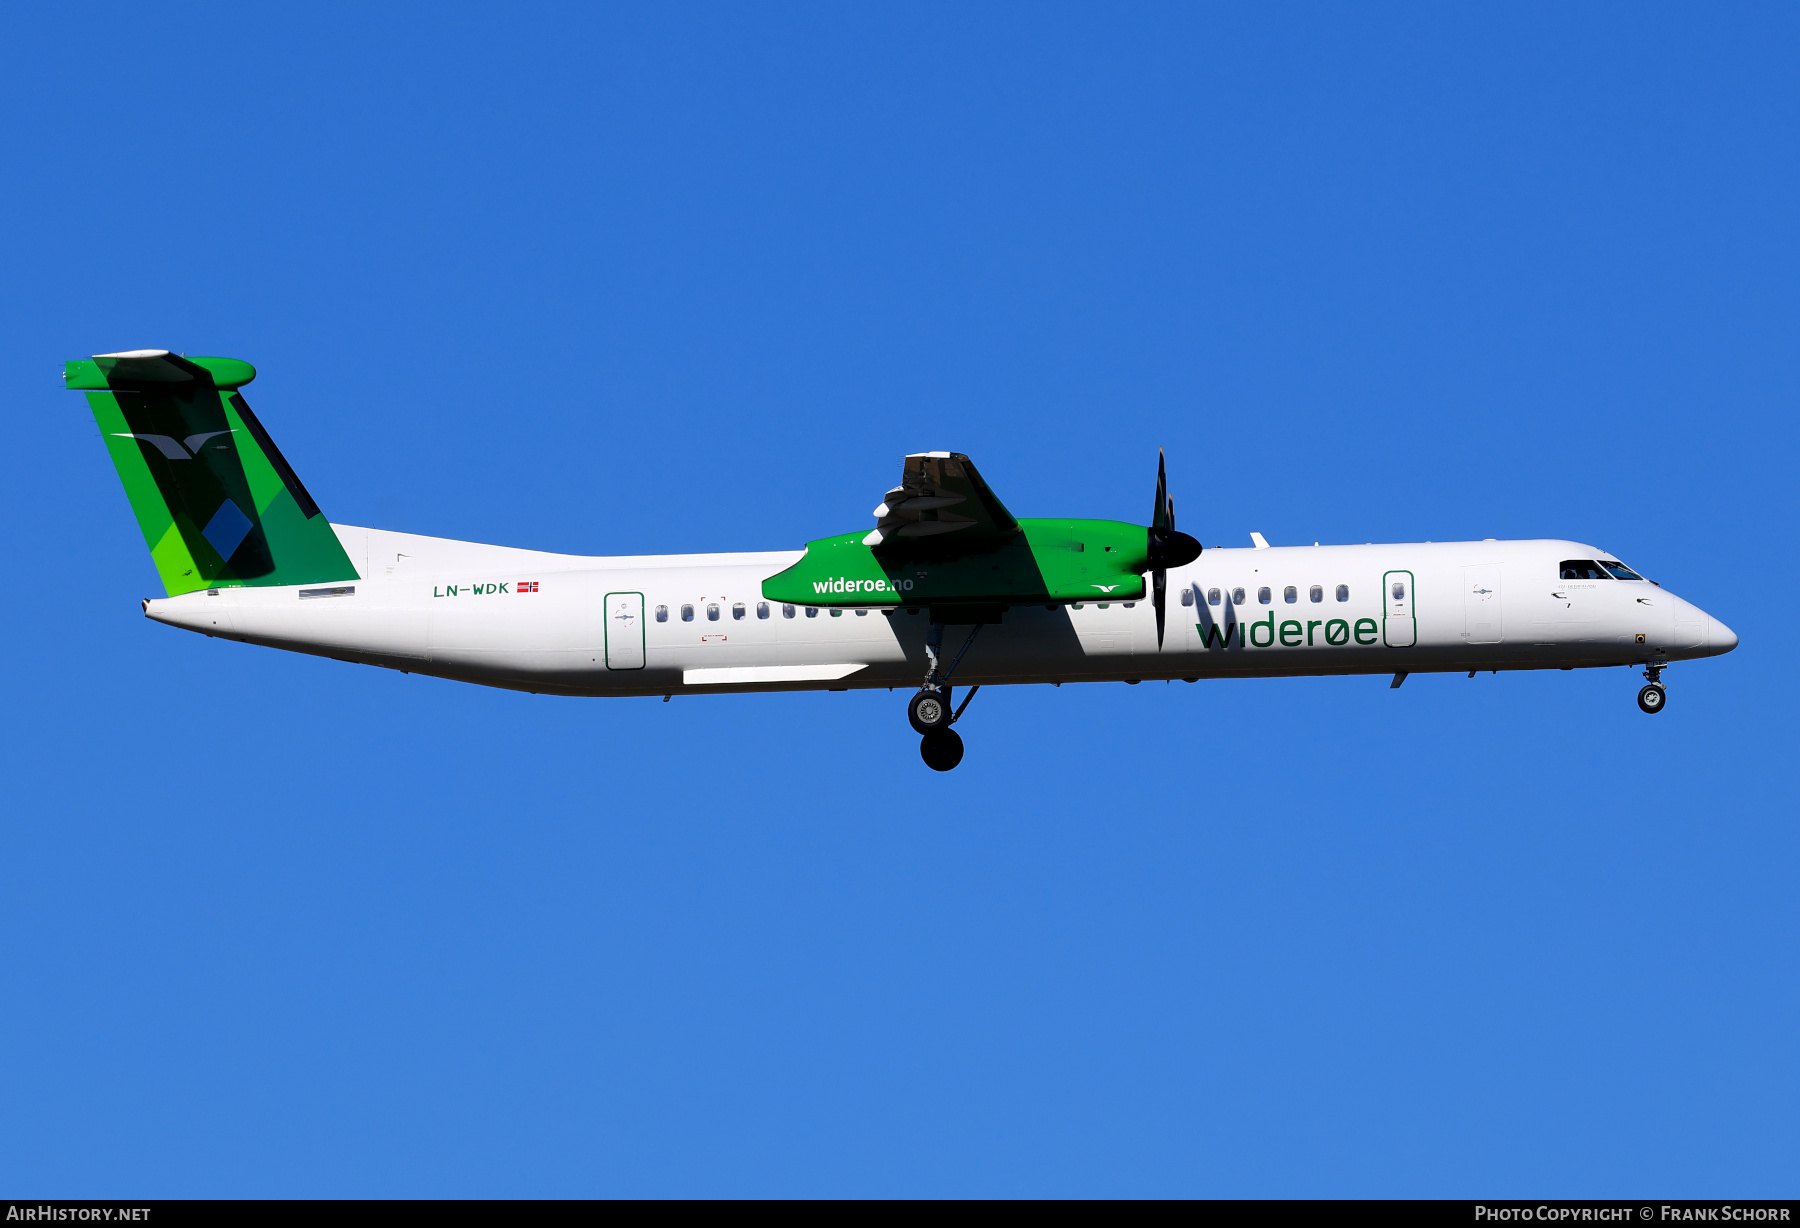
(679, 624)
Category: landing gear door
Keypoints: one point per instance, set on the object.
(624, 630)
(1399, 624)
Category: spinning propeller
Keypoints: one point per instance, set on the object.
(1167, 547)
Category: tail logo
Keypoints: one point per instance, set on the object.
(169, 446)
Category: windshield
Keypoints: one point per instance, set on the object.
(1619, 570)
(1582, 569)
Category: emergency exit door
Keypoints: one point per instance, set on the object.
(1399, 625)
(624, 630)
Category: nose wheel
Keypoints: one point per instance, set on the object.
(1652, 698)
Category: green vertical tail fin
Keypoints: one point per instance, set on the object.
(218, 503)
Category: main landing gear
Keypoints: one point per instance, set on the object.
(940, 746)
(1652, 698)
(942, 750)
(929, 711)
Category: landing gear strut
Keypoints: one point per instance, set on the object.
(929, 711)
(1652, 698)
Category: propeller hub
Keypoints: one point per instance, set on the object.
(1171, 548)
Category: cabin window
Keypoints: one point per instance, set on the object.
(1187, 596)
(1290, 594)
(862, 613)
(1214, 596)
(812, 611)
(1262, 596)
(1316, 593)
(787, 611)
(837, 613)
(762, 609)
(1619, 570)
(1343, 593)
(687, 613)
(1399, 590)
(1237, 596)
(1582, 569)
(712, 611)
(737, 610)
(662, 613)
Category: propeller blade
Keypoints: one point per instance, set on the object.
(1160, 519)
(1160, 583)
(1166, 547)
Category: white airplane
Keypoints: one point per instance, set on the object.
(948, 584)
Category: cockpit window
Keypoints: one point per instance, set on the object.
(1619, 570)
(1582, 569)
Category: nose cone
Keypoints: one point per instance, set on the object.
(1720, 639)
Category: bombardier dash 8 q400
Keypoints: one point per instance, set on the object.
(948, 584)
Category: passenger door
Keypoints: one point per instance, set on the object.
(1399, 623)
(624, 614)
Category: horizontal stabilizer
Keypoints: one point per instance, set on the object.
(155, 367)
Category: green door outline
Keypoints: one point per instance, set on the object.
(1399, 615)
(626, 641)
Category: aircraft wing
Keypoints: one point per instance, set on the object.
(940, 496)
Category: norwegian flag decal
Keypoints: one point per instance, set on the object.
(526, 586)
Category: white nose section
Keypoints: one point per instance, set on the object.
(1719, 638)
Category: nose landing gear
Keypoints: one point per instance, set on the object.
(1652, 698)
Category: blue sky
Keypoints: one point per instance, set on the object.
(665, 278)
